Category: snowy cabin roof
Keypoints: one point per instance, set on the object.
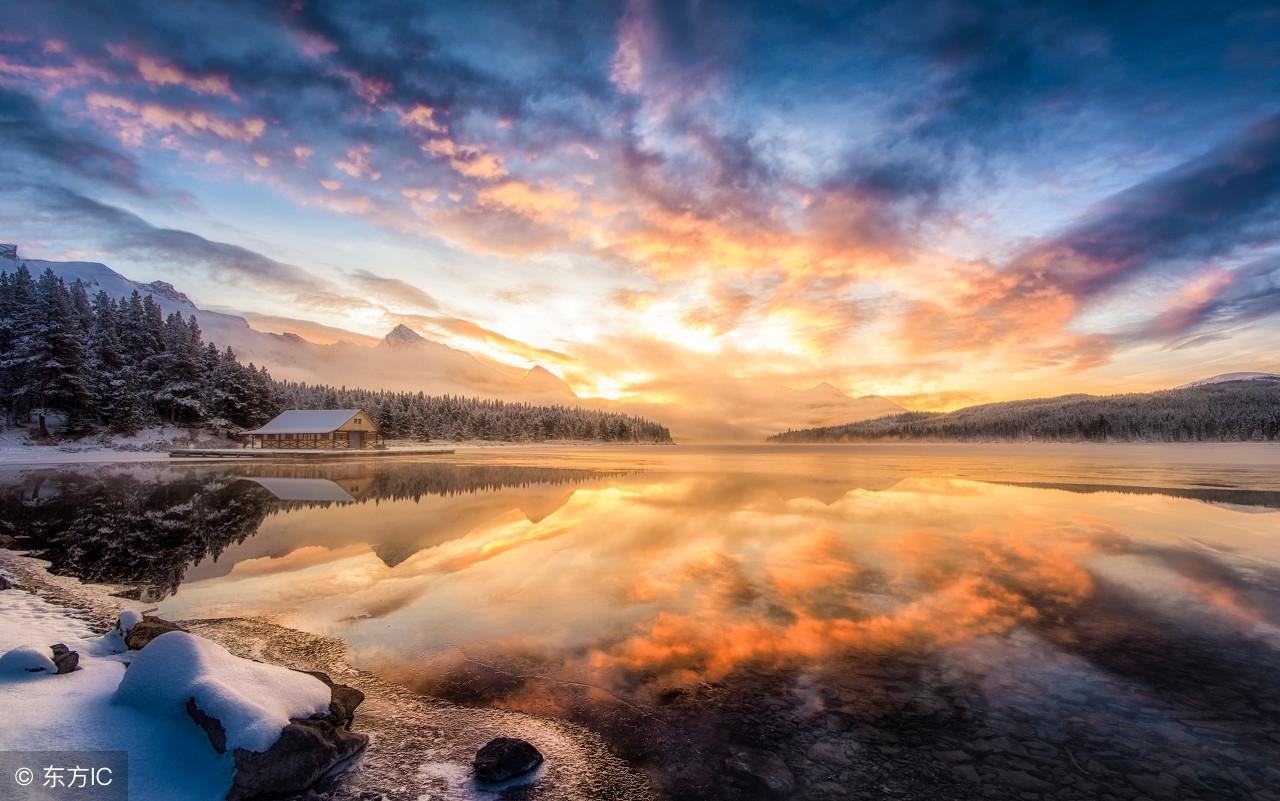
(308, 421)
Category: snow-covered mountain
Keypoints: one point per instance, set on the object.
(1224, 377)
(541, 381)
(404, 360)
(402, 336)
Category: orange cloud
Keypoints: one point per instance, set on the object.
(423, 117)
(529, 201)
(357, 164)
(133, 121)
(466, 160)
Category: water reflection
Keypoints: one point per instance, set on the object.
(148, 526)
(809, 633)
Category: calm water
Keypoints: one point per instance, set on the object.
(1080, 622)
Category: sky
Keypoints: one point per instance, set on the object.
(940, 202)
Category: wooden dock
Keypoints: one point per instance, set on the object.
(300, 453)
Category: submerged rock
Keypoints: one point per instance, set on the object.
(147, 629)
(504, 758)
(65, 659)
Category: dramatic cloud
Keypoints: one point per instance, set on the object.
(919, 199)
(115, 230)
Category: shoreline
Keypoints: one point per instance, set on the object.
(41, 455)
(50, 455)
(420, 747)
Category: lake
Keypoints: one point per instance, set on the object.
(825, 622)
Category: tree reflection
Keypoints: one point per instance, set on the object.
(145, 527)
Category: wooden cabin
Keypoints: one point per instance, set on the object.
(316, 429)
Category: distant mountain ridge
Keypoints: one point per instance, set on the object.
(410, 362)
(1218, 409)
(1225, 377)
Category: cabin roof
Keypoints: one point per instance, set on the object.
(308, 421)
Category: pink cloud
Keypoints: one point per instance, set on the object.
(162, 73)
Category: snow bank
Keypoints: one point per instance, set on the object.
(251, 700)
(27, 660)
(168, 759)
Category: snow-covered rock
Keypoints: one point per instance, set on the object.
(252, 701)
(27, 659)
(147, 629)
(128, 619)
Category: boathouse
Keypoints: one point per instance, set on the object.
(314, 429)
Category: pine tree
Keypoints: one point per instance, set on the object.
(52, 356)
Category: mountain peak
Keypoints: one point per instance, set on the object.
(8, 251)
(542, 381)
(169, 291)
(402, 335)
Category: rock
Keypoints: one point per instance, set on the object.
(5, 582)
(26, 659)
(146, 630)
(504, 758)
(307, 751)
(343, 700)
(66, 659)
(763, 769)
(211, 725)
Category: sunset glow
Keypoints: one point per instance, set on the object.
(660, 201)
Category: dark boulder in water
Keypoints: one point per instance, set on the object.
(504, 758)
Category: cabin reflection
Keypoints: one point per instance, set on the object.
(313, 490)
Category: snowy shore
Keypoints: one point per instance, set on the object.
(419, 747)
(87, 717)
(153, 444)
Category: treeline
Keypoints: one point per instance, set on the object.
(416, 415)
(122, 365)
(118, 365)
(1236, 411)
